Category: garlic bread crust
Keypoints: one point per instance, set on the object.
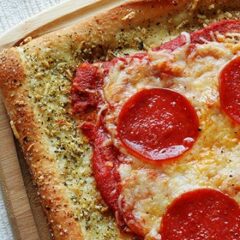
(35, 79)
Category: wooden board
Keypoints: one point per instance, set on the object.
(13, 184)
(26, 216)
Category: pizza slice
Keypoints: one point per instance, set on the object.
(130, 121)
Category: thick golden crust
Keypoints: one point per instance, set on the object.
(37, 76)
(42, 164)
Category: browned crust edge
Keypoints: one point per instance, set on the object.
(12, 80)
(42, 166)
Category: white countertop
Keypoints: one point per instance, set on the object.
(11, 13)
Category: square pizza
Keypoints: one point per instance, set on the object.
(130, 121)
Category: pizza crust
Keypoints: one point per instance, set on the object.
(42, 165)
(94, 39)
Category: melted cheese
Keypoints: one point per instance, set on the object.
(213, 162)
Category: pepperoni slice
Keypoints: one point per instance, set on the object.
(230, 89)
(203, 214)
(157, 124)
(207, 33)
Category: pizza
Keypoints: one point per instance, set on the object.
(130, 121)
